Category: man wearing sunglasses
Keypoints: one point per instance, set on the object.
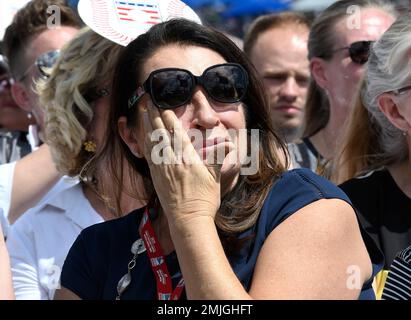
(338, 48)
(14, 122)
(32, 47)
(277, 46)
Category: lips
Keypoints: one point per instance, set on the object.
(213, 142)
(290, 109)
(204, 146)
(210, 147)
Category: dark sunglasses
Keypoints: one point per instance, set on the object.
(172, 87)
(359, 51)
(44, 63)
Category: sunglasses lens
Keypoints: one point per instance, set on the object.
(226, 83)
(360, 51)
(46, 61)
(172, 88)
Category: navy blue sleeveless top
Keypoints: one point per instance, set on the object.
(101, 253)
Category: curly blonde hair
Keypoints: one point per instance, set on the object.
(84, 67)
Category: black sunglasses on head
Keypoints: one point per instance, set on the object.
(359, 51)
(44, 63)
(172, 87)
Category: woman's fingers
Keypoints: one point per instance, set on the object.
(155, 116)
(148, 130)
(171, 144)
(183, 147)
(215, 158)
(158, 140)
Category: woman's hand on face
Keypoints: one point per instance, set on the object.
(186, 186)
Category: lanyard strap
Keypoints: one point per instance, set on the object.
(157, 262)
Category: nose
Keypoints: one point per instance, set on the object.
(204, 115)
(289, 89)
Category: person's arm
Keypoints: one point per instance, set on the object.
(77, 281)
(34, 175)
(6, 292)
(24, 264)
(309, 256)
(65, 294)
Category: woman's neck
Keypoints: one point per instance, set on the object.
(326, 140)
(97, 203)
(401, 173)
(324, 143)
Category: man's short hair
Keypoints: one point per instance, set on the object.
(28, 22)
(272, 21)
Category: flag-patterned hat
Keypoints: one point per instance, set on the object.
(124, 20)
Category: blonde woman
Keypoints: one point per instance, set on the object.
(76, 100)
(375, 157)
(27, 44)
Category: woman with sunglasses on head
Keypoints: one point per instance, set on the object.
(375, 154)
(338, 47)
(212, 230)
(76, 100)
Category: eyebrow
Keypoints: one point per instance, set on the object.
(273, 73)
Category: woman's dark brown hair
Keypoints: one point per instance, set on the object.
(240, 207)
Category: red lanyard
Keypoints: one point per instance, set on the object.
(157, 261)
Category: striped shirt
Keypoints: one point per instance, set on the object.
(398, 285)
(303, 154)
(13, 146)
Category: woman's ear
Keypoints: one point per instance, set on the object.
(129, 137)
(389, 107)
(20, 96)
(317, 67)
